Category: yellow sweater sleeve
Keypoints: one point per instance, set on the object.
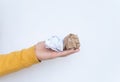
(17, 60)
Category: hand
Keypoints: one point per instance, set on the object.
(43, 53)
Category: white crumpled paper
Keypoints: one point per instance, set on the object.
(55, 43)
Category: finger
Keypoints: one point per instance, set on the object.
(68, 52)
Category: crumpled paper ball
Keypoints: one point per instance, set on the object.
(71, 41)
(55, 43)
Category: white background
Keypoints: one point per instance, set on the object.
(97, 22)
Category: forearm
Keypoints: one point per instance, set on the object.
(17, 60)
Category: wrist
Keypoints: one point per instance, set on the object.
(37, 53)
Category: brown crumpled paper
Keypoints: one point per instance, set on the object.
(71, 41)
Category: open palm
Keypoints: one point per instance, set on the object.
(43, 53)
